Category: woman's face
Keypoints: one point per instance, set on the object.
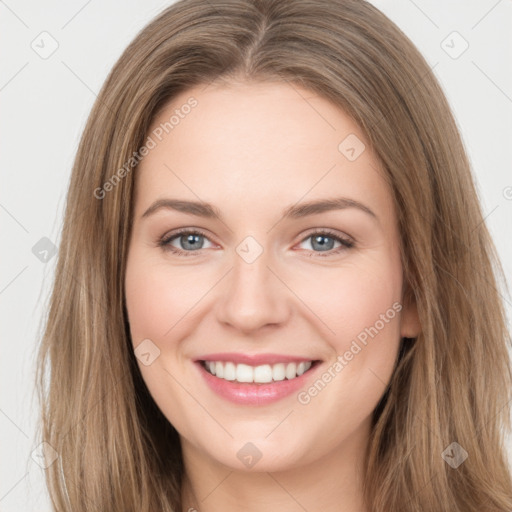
(268, 280)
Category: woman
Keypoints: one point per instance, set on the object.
(275, 289)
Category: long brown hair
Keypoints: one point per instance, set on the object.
(452, 383)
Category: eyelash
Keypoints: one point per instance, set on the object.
(346, 243)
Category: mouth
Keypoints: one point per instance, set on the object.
(256, 380)
(262, 374)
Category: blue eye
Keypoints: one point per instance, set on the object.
(190, 242)
(324, 241)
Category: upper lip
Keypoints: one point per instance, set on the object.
(254, 359)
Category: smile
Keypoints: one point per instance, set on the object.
(256, 380)
(262, 374)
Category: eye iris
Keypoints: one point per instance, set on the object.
(190, 239)
(320, 239)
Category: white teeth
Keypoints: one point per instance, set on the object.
(262, 374)
(244, 373)
(278, 372)
(229, 371)
(291, 370)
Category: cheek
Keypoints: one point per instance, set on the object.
(157, 301)
(157, 297)
(363, 309)
(360, 304)
(366, 319)
(353, 298)
(146, 305)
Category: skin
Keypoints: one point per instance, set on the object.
(252, 150)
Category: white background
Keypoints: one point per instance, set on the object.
(45, 103)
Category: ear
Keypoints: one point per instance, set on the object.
(410, 326)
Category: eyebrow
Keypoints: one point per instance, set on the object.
(297, 211)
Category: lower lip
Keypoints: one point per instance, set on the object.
(255, 394)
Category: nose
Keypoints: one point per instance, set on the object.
(253, 296)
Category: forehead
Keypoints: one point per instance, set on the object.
(255, 142)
